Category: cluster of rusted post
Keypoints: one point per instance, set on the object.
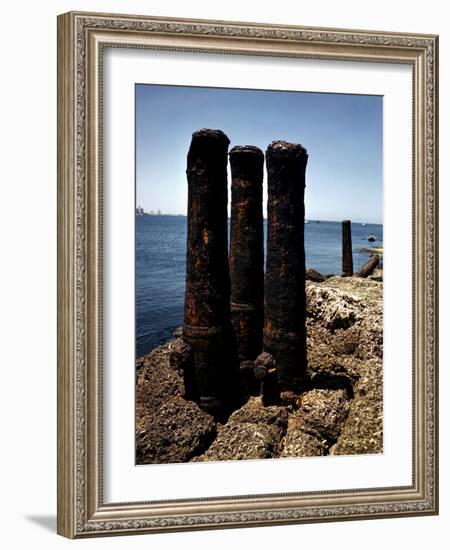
(230, 315)
(236, 321)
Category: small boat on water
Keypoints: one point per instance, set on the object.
(371, 238)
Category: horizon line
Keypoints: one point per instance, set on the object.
(265, 218)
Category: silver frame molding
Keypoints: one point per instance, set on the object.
(81, 38)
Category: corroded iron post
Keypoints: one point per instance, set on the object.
(207, 322)
(369, 267)
(285, 300)
(247, 249)
(347, 254)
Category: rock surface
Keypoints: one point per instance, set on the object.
(239, 442)
(299, 443)
(322, 413)
(339, 412)
(313, 275)
(333, 308)
(254, 412)
(169, 428)
(377, 275)
(352, 358)
(317, 423)
(253, 431)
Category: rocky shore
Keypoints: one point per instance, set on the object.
(339, 413)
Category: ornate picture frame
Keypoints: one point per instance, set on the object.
(82, 38)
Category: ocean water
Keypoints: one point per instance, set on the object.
(161, 259)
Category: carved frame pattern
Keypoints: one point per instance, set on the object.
(80, 508)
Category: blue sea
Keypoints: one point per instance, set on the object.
(161, 260)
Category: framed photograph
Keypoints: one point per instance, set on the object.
(247, 274)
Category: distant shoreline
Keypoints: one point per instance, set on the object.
(160, 215)
(307, 221)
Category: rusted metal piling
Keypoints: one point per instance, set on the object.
(207, 322)
(247, 249)
(347, 254)
(285, 300)
(369, 267)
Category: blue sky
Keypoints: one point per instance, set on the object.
(342, 133)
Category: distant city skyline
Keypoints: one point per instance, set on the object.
(342, 133)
